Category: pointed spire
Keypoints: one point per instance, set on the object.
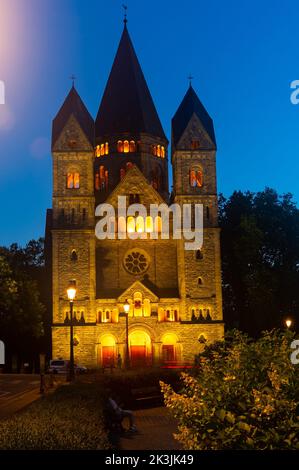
(127, 105)
(73, 105)
(190, 105)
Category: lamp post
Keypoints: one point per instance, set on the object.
(126, 309)
(288, 323)
(71, 293)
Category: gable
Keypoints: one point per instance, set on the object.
(72, 138)
(137, 286)
(135, 182)
(195, 131)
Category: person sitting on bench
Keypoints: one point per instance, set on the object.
(120, 414)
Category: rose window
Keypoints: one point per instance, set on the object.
(136, 262)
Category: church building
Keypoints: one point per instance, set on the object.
(173, 295)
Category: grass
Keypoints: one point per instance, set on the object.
(68, 419)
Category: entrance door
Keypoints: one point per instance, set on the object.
(168, 353)
(138, 356)
(107, 356)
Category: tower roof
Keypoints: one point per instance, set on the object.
(190, 105)
(127, 105)
(73, 105)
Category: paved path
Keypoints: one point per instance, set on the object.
(17, 391)
(155, 431)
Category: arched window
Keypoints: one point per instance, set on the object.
(154, 150)
(106, 179)
(199, 281)
(158, 224)
(70, 181)
(126, 146)
(129, 165)
(100, 316)
(140, 224)
(74, 256)
(73, 180)
(98, 151)
(162, 151)
(122, 226)
(198, 254)
(120, 146)
(97, 181)
(130, 224)
(195, 144)
(102, 149)
(149, 226)
(106, 148)
(196, 178)
(158, 150)
(132, 146)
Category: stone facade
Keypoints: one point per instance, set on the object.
(174, 294)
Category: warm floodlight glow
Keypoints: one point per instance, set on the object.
(71, 291)
(288, 322)
(126, 306)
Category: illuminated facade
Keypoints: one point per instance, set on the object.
(174, 294)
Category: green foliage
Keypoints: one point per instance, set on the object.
(243, 394)
(260, 259)
(70, 418)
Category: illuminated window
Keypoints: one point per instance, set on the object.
(98, 151)
(140, 224)
(102, 149)
(120, 146)
(149, 226)
(131, 225)
(154, 150)
(73, 180)
(76, 180)
(122, 225)
(106, 148)
(132, 146)
(158, 150)
(70, 180)
(195, 144)
(101, 179)
(129, 165)
(162, 151)
(158, 224)
(196, 178)
(126, 146)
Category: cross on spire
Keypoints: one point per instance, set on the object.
(125, 14)
(73, 78)
(190, 78)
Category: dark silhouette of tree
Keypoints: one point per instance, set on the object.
(260, 259)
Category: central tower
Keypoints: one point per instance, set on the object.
(128, 130)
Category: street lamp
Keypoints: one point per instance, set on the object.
(71, 293)
(127, 309)
(288, 323)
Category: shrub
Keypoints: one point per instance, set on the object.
(70, 418)
(242, 395)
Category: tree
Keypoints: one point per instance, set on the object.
(260, 259)
(242, 395)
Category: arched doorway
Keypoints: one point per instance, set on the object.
(107, 351)
(140, 348)
(170, 348)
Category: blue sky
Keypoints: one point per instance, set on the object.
(243, 56)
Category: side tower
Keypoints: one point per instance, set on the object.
(72, 222)
(194, 182)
